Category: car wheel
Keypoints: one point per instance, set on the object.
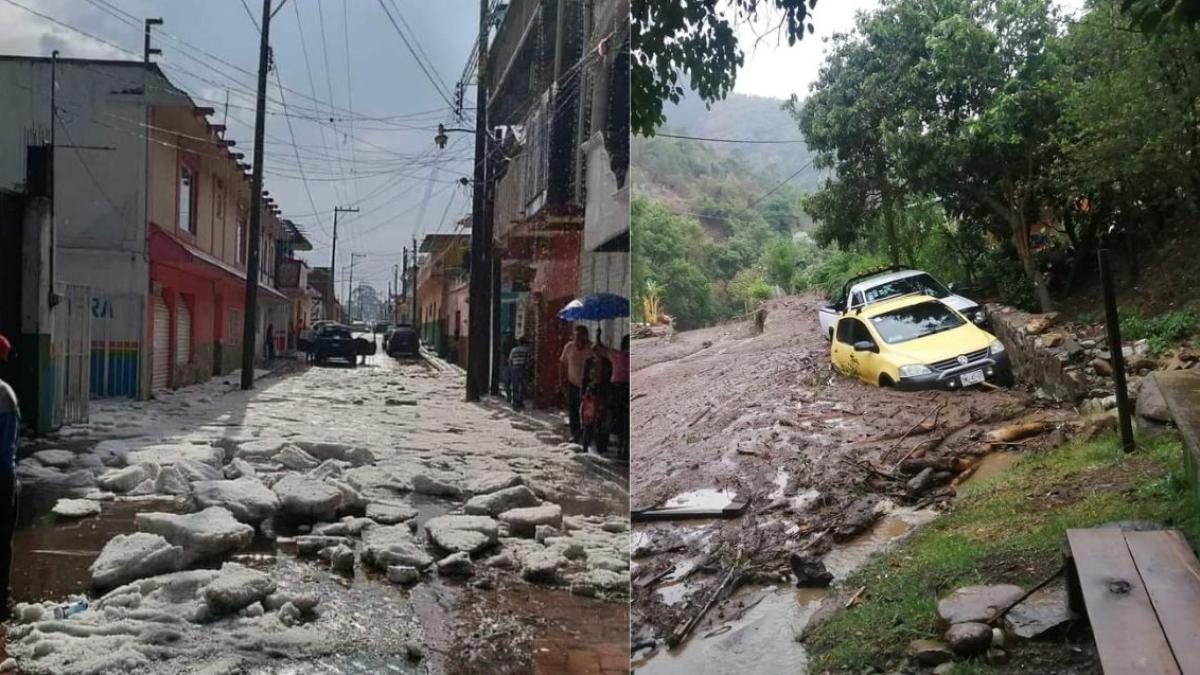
(885, 380)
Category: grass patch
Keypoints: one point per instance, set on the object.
(1162, 331)
(1005, 530)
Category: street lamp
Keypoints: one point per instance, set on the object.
(440, 138)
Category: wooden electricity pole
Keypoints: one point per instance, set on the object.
(250, 325)
(478, 338)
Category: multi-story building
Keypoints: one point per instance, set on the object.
(442, 295)
(151, 214)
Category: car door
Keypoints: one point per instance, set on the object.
(866, 364)
(842, 353)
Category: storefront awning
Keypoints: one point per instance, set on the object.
(169, 251)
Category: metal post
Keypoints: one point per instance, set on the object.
(52, 298)
(147, 51)
(489, 195)
(249, 326)
(415, 271)
(478, 342)
(1114, 348)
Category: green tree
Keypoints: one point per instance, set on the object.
(694, 41)
(780, 260)
(687, 295)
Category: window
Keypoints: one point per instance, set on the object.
(187, 196)
(851, 331)
(239, 246)
(220, 206)
(916, 321)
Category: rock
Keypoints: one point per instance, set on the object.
(75, 508)
(810, 571)
(523, 522)
(235, 588)
(929, 652)
(616, 526)
(348, 526)
(1040, 613)
(352, 499)
(127, 557)
(466, 534)
(296, 459)
(164, 455)
(502, 560)
(206, 534)
(1051, 340)
(505, 499)
(542, 566)
(997, 657)
(172, 481)
(455, 565)
(121, 480)
(194, 470)
(246, 498)
(997, 637)
(969, 639)
(239, 468)
(1150, 402)
(427, 485)
(276, 600)
(920, 483)
(493, 482)
(976, 603)
(252, 611)
(403, 574)
(388, 545)
(390, 513)
(306, 603)
(306, 499)
(341, 559)
(855, 518)
(56, 458)
(355, 455)
(543, 532)
(259, 450)
(311, 543)
(944, 669)
(8, 665)
(330, 468)
(289, 615)
(1102, 367)
(1039, 323)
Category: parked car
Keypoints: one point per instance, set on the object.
(382, 327)
(403, 341)
(878, 286)
(360, 327)
(334, 341)
(917, 342)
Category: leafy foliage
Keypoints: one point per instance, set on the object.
(695, 41)
(1163, 331)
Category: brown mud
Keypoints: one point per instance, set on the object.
(723, 413)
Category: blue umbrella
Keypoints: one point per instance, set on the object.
(595, 307)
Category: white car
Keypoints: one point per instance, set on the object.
(878, 286)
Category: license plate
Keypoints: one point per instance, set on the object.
(973, 377)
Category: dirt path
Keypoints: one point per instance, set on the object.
(761, 418)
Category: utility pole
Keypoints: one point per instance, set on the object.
(52, 298)
(478, 338)
(249, 341)
(354, 257)
(489, 194)
(393, 297)
(147, 51)
(333, 257)
(1113, 323)
(415, 269)
(402, 290)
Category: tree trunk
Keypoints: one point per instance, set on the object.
(1020, 233)
(889, 224)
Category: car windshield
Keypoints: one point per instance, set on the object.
(915, 321)
(920, 283)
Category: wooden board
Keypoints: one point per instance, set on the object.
(732, 510)
(1171, 575)
(1129, 639)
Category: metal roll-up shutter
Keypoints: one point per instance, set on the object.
(183, 333)
(160, 363)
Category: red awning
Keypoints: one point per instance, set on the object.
(169, 251)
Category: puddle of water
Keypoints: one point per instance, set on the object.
(992, 465)
(705, 498)
(889, 529)
(761, 642)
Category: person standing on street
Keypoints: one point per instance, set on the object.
(618, 392)
(571, 366)
(518, 372)
(10, 425)
(271, 341)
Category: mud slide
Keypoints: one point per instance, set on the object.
(721, 415)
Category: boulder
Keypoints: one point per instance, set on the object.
(855, 518)
(523, 522)
(307, 499)
(235, 588)
(542, 566)
(295, 459)
(29, 471)
(403, 574)
(455, 565)
(1150, 402)
(246, 498)
(976, 603)
(352, 499)
(355, 455)
(194, 470)
(389, 545)
(259, 450)
(493, 481)
(929, 652)
(1102, 367)
(239, 468)
(1037, 324)
(810, 571)
(203, 535)
(341, 558)
(505, 499)
(309, 544)
(75, 508)
(175, 453)
(390, 513)
(171, 480)
(121, 480)
(466, 534)
(56, 458)
(1040, 614)
(969, 639)
(330, 468)
(127, 557)
(427, 485)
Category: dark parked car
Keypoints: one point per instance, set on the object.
(334, 341)
(403, 341)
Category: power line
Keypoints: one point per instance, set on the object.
(299, 165)
(444, 94)
(724, 140)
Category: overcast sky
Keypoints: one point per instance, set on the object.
(774, 69)
(386, 165)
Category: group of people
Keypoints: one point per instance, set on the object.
(594, 381)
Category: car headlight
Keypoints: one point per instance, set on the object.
(914, 370)
(997, 347)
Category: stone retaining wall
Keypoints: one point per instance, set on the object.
(1046, 358)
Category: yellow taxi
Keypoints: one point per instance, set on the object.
(917, 342)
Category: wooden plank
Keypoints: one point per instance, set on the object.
(1171, 575)
(1128, 636)
(732, 510)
